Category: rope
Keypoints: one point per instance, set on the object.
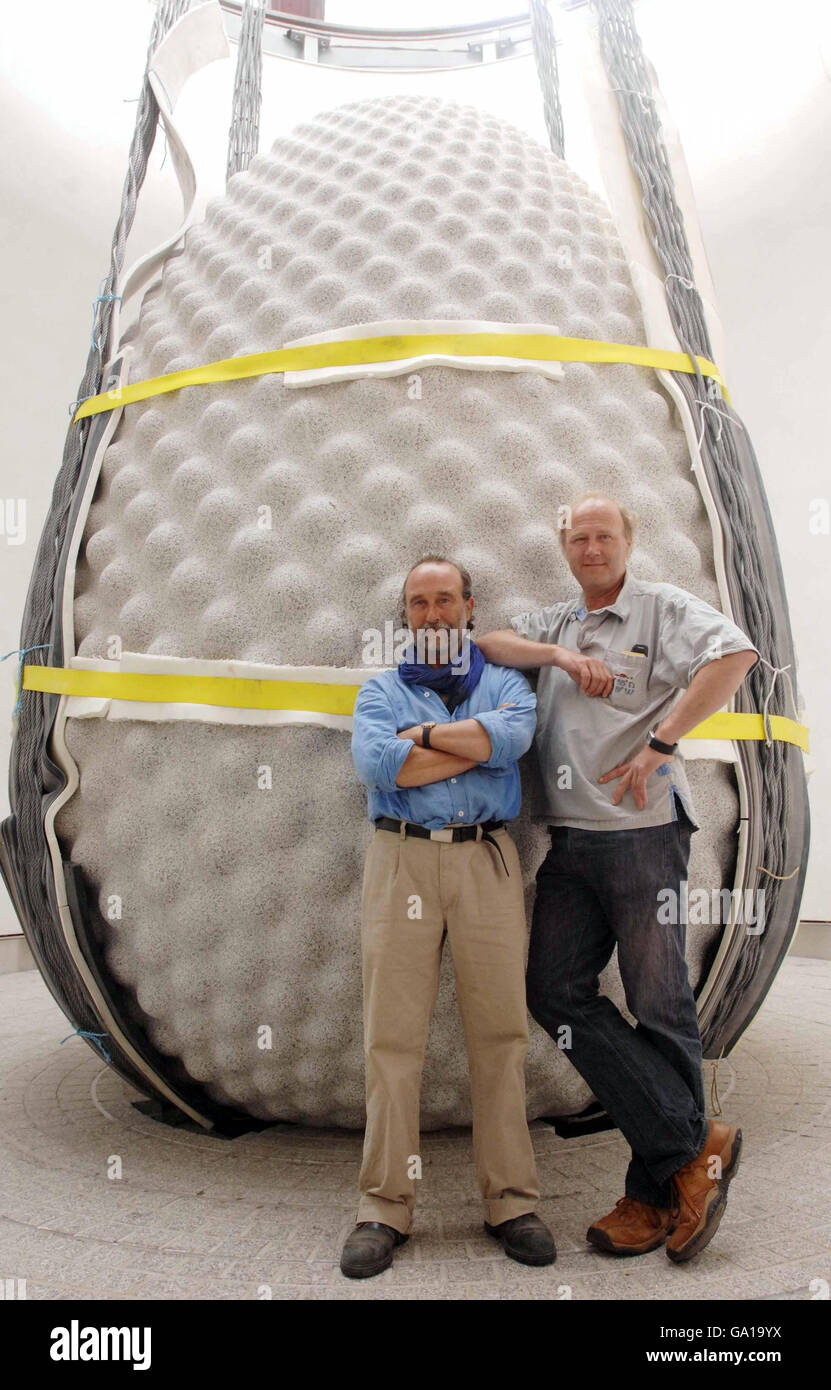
(720, 413)
(777, 671)
(244, 133)
(545, 55)
(21, 652)
(85, 1033)
(30, 777)
(628, 76)
(715, 1102)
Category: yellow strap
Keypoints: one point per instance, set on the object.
(353, 351)
(751, 726)
(242, 692)
(315, 696)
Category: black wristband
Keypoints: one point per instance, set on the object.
(660, 746)
(425, 735)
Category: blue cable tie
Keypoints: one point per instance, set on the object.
(22, 651)
(95, 343)
(82, 1033)
(73, 405)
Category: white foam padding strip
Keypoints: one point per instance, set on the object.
(241, 901)
(196, 39)
(401, 327)
(97, 707)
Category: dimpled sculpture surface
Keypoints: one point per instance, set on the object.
(241, 906)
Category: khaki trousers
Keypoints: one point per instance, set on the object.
(461, 890)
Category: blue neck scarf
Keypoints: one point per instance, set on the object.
(447, 680)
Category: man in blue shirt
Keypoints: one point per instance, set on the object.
(436, 743)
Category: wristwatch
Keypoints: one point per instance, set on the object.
(659, 745)
(425, 734)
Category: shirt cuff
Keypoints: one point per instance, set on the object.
(494, 725)
(727, 650)
(390, 763)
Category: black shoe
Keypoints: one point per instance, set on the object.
(526, 1238)
(368, 1249)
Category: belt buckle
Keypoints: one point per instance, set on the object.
(445, 835)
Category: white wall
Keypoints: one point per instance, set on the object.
(748, 86)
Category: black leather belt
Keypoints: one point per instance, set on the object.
(451, 833)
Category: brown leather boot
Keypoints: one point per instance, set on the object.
(632, 1228)
(701, 1188)
(368, 1249)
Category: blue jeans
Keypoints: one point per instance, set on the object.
(595, 889)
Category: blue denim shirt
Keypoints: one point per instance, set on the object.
(490, 791)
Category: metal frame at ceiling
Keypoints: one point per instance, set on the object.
(328, 45)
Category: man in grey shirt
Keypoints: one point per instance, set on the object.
(612, 664)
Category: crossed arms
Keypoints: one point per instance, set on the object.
(387, 758)
(434, 764)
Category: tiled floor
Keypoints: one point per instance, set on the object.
(193, 1216)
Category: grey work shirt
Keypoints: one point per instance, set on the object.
(579, 737)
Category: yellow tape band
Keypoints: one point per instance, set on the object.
(349, 352)
(235, 691)
(315, 697)
(751, 726)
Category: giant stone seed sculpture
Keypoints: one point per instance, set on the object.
(240, 903)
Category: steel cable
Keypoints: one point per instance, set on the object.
(628, 76)
(30, 784)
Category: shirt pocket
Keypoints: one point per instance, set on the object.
(629, 670)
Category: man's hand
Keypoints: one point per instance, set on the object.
(591, 675)
(634, 775)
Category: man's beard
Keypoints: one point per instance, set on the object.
(439, 646)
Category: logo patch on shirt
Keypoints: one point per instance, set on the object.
(629, 671)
